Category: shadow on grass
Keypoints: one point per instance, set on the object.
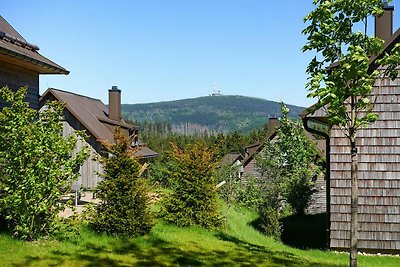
(154, 251)
(305, 232)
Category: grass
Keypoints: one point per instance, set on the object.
(239, 244)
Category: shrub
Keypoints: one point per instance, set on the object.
(123, 209)
(250, 194)
(230, 190)
(299, 191)
(271, 206)
(299, 162)
(36, 162)
(194, 200)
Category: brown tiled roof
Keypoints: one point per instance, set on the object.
(93, 115)
(15, 49)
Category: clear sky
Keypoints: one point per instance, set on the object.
(161, 50)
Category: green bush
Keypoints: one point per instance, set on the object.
(123, 209)
(269, 221)
(251, 194)
(194, 200)
(36, 162)
(299, 191)
(229, 192)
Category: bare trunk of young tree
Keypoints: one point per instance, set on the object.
(354, 190)
(354, 206)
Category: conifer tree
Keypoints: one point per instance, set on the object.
(194, 200)
(123, 209)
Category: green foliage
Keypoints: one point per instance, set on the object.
(299, 190)
(343, 78)
(36, 163)
(298, 161)
(194, 200)
(159, 138)
(124, 206)
(269, 220)
(208, 114)
(250, 195)
(270, 164)
(288, 167)
(340, 77)
(230, 190)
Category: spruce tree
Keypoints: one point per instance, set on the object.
(194, 200)
(123, 209)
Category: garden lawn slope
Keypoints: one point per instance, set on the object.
(238, 245)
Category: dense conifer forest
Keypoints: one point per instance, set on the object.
(210, 114)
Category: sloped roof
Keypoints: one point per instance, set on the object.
(272, 127)
(230, 159)
(93, 115)
(16, 50)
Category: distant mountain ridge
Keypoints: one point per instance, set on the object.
(225, 113)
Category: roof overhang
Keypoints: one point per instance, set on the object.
(28, 59)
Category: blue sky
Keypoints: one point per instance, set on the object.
(161, 50)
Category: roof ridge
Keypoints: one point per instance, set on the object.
(15, 40)
(72, 93)
(9, 34)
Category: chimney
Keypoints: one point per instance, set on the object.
(273, 124)
(384, 23)
(114, 103)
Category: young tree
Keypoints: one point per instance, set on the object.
(124, 206)
(270, 164)
(299, 162)
(36, 163)
(340, 76)
(288, 165)
(194, 200)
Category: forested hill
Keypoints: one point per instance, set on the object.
(210, 113)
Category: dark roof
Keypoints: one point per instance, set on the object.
(16, 50)
(93, 115)
(273, 124)
(230, 159)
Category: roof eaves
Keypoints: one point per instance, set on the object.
(55, 69)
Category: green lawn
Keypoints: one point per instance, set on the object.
(238, 244)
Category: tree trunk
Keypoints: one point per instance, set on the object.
(354, 205)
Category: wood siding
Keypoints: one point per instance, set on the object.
(379, 177)
(15, 77)
(318, 200)
(90, 169)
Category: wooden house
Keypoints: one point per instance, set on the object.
(379, 168)
(21, 64)
(98, 121)
(248, 166)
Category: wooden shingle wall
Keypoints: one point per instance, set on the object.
(318, 201)
(379, 177)
(250, 170)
